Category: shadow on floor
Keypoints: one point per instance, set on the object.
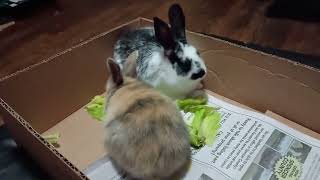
(305, 11)
(14, 163)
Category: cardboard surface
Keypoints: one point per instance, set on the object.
(81, 138)
(40, 150)
(229, 100)
(293, 124)
(49, 97)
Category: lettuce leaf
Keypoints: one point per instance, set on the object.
(186, 103)
(96, 108)
(205, 121)
(195, 140)
(52, 138)
(210, 127)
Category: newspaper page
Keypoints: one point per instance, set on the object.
(249, 146)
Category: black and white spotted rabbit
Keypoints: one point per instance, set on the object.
(166, 60)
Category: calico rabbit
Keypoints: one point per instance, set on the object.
(166, 60)
(146, 136)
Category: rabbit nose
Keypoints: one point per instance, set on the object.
(198, 75)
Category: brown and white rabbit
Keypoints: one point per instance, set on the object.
(166, 60)
(146, 136)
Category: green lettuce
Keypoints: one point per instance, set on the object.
(186, 103)
(210, 127)
(52, 138)
(96, 108)
(205, 123)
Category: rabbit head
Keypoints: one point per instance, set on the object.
(184, 57)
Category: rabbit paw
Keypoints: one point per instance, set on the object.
(199, 93)
(201, 85)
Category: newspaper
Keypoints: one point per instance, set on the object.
(249, 146)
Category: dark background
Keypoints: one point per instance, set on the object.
(287, 28)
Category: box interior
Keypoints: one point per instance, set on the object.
(51, 96)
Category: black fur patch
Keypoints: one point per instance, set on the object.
(181, 66)
(197, 64)
(184, 67)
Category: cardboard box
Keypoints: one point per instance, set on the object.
(49, 97)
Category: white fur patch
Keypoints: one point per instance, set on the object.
(166, 80)
(190, 52)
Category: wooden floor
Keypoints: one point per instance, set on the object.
(67, 23)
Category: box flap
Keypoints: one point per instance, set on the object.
(292, 124)
(261, 89)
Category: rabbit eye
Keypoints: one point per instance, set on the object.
(183, 67)
(198, 53)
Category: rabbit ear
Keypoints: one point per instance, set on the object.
(163, 34)
(177, 22)
(115, 72)
(130, 65)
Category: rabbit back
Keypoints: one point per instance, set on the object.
(146, 136)
(142, 40)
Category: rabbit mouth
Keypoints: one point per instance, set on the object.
(198, 75)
